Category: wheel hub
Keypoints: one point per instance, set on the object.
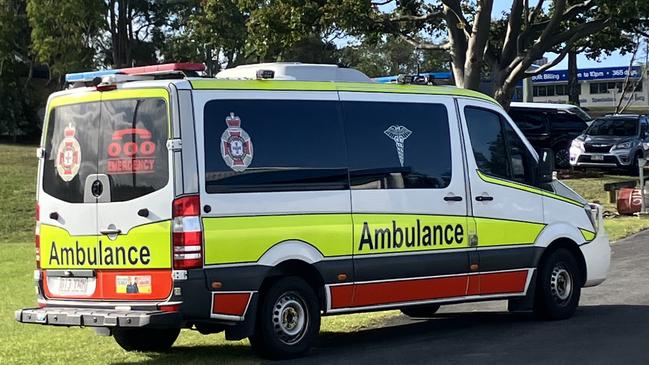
(561, 284)
(290, 318)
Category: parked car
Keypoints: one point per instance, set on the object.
(612, 141)
(550, 126)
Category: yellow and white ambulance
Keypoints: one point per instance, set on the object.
(258, 201)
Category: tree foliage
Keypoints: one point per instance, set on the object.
(377, 36)
(64, 33)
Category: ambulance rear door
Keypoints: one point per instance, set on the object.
(134, 209)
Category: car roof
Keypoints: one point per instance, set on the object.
(518, 104)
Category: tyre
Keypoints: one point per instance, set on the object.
(558, 286)
(634, 169)
(288, 320)
(562, 158)
(146, 339)
(421, 311)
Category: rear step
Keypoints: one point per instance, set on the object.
(62, 316)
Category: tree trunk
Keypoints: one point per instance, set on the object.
(498, 79)
(504, 91)
(573, 83)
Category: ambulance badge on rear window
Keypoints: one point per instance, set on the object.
(398, 134)
(68, 156)
(236, 146)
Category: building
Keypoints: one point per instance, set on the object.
(599, 88)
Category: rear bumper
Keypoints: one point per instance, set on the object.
(86, 317)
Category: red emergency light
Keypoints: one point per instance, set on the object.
(188, 69)
(164, 68)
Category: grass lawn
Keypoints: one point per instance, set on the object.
(17, 193)
(35, 344)
(592, 189)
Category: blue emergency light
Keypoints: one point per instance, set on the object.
(88, 76)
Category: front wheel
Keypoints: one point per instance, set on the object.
(146, 339)
(562, 158)
(288, 320)
(558, 286)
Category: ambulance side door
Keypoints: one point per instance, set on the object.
(506, 205)
(408, 198)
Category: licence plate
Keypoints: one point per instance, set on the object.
(597, 157)
(73, 286)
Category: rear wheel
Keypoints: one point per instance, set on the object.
(146, 339)
(421, 311)
(558, 286)
(288, 320)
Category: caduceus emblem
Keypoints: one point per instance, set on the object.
(398, 134)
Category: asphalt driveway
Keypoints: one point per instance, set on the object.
(611, 326)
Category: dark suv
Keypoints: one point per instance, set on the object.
(612, 141)
(550, 126)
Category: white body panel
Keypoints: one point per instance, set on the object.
(507, 203)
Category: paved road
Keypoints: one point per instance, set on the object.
(610, 327)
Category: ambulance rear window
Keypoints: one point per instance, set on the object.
(71, 150)
(123, 139)
(132, 148)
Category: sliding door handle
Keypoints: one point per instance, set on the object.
(484, 198)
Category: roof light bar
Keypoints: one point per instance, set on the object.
(143, 70)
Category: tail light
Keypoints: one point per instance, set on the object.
(37, 236)
(187, 233)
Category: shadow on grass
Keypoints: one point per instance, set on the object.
(596, 334)
(217, 354)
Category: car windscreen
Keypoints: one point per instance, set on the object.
(123, 139)
(613, 127)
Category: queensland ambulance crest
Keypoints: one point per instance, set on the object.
(236, 146)
(68, 156)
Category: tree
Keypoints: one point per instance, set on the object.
(65, 32)
(507, 47)
(17, 117)
(391, 55)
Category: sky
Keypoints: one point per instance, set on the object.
(615, 59)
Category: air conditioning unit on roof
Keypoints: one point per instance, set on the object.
(294, 71)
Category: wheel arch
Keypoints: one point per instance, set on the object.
(573, 248)
(299, 268)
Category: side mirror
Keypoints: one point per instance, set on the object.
(545, 167)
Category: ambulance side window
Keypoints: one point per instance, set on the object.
(75, 127)
(497, 149)
(397, 145)
(273, 145)
(487, 141)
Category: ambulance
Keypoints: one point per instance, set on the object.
(256, 202)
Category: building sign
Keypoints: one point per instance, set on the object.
(585, 74)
